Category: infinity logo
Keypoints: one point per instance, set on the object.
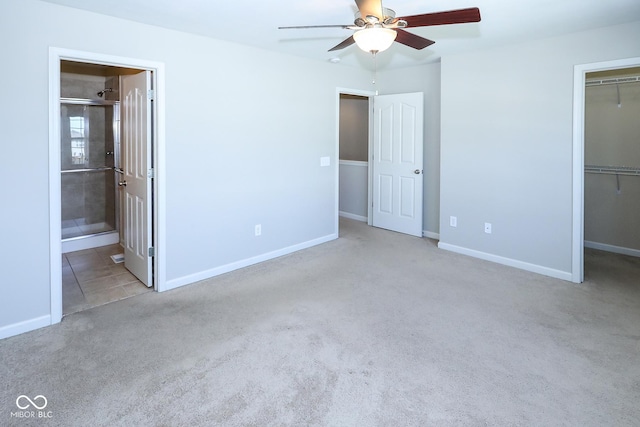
(33, 403)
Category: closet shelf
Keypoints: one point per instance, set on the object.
(612, 170)
(612, 81)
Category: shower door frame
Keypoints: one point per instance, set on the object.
(90, 240)
(56, 55)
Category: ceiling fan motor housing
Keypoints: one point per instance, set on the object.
(388, 18)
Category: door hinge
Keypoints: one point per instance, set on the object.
(152, 252)
(151, 173)
(150, 94)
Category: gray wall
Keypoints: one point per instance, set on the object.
(612, 138)
(354, 128)
(424, 79)
(240, 150)
(506, 145)
(354, 189)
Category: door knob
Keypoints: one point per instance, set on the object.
(417, 171)
(122, 183)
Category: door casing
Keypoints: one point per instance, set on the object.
(56, 55)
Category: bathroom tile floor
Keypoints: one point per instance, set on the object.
(90, 278)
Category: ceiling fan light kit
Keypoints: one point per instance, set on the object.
(375, 39)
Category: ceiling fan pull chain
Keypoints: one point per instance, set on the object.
(375, 70)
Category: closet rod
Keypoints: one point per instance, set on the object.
(613, 81)
(612, 170)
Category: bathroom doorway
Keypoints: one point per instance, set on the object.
(91, 204)
(92, 187)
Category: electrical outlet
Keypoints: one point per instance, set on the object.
(258, 229)
(487, 227)
(453, 221)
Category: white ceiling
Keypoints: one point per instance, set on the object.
(255, 22)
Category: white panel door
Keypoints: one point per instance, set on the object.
(136, 161)
(397, 162)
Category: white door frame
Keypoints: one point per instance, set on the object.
(159, 186)
(369, 95)
(579, 85)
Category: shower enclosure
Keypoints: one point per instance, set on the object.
(90, 151)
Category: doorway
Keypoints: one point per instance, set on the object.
(392, 135)
(580, 84)
(350, 194)
(92, 149)
(153, 236)
(354, 157)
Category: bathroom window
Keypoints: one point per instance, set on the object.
(78, 140)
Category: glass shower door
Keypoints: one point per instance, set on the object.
(88, 143)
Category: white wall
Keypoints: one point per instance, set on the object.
(424, 79)
(506, 146)
(245, 130)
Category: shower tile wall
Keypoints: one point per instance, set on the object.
(81, 85)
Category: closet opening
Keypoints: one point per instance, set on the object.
(612, 161)
(606, 172)
(612, 174)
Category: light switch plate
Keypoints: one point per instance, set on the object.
(325, 161)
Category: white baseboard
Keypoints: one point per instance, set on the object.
(612, 248)
(353, 216)
(192, 278)
(25, 326)
(558, 274)
(430, 235)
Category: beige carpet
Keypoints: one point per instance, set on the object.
(373, 329)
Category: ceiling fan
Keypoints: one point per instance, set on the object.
(377, 27)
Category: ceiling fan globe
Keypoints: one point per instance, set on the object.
(374, 39)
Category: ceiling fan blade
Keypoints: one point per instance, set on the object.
(458, 16)
(343, 44)
(370, 8)
(409, 39)
(298, 27)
